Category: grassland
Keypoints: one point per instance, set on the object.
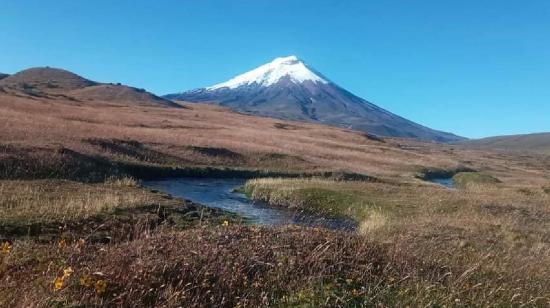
(463, 179)
(112, 211)
(35, 138)
(50, 201)
(534, 143)
(498, 233)
(65, 169)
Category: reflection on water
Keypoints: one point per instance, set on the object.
(219, 193)
(445, 181)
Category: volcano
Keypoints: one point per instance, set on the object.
(287, 88)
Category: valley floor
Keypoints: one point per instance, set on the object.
(77, 229)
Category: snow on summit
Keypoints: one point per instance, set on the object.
(272, 72)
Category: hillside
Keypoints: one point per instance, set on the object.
(46, 82)
(287, 88)
(45, 79)
(539, 142)
(2, 76)
(121, 94)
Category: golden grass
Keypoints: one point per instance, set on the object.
(121, 182)
(374, 222)
(31, 201)
(498, 236)
(172, 134)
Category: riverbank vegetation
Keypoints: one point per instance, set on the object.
(495, 231)
(474, 178)
(116, 210)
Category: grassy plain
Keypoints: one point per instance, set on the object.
(65, 169)
(497, 236)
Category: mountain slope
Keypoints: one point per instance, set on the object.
(539, 142)
(120, 93)
(49, 82)
(287, 88)
(46, 79)
(2, 76)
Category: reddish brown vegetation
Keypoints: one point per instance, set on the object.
(224, 266)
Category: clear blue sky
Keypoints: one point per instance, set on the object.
(473, 67)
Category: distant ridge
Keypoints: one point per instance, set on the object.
(537, 142)
(2, 76)
(287, 88)
(44, 81)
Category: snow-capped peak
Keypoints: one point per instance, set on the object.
(272, 72)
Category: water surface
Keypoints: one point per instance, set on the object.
(219, 193)
(444, 181)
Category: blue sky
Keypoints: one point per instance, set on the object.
(475, 68)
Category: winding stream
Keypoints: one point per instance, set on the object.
(219, 193)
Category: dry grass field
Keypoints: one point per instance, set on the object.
(65, 163)
(202, 135)
(23, 200)
(495, 237)
(534, 143)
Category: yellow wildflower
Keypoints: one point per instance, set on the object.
(6, 247)
(355, 293)
(100, 286)
(86, 281)
(67, 272)
(58, 283)
(225, 223)
(62, 244)
(349, 281)
(80, 243)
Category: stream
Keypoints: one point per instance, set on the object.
(444, 181)
(219, 193)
